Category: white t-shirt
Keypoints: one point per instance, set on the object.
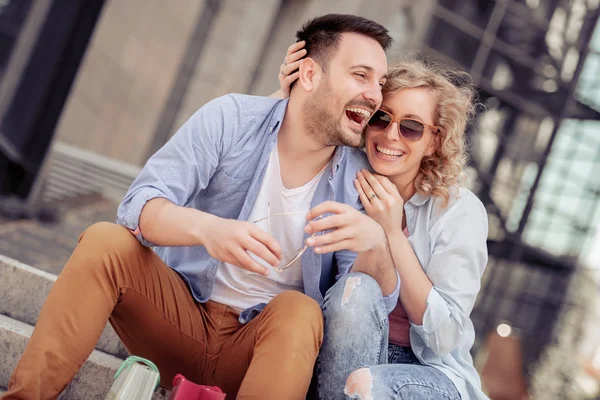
(241, 289)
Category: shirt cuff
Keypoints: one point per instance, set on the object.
(391, 299)
(436, 313)
(129, 212)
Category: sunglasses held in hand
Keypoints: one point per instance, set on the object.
(298, 252)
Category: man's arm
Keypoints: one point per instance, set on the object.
(166, 224)
(154, 208)
(181, 169)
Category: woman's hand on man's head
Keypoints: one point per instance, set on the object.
(288, 72)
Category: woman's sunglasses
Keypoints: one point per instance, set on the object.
(409, 128)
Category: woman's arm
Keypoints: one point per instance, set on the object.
(439, 302)
(387, 208)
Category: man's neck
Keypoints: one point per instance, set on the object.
(301, 157)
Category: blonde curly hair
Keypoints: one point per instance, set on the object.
(455, 95)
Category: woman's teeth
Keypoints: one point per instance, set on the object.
(389, 152)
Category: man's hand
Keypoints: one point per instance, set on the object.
(350, 229)
(229, 241)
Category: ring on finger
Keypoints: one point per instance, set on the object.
(372, 196)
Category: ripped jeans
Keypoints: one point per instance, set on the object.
(353, 362)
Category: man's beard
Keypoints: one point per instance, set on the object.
(323, 125)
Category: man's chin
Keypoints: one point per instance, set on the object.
(352, 138)
(352, 141)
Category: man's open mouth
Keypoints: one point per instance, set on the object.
(358, 115)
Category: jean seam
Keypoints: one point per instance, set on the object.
(424, 385)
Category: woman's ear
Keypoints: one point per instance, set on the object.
(434, 145)
(310, 74)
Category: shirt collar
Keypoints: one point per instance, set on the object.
(338, 156)
(419, 199)
(278, 115)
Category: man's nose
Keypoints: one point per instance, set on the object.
(373, 95)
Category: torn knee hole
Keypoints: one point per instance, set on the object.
(351, 284)
(359, 385)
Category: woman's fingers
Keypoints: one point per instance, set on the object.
(288, 69)
(388, 185)
(294, 47)
(294, 57)
(378, 189)
(362, 196)
(288, 80)
(366, 186)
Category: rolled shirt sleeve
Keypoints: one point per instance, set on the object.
(183, 167)
(455, 269)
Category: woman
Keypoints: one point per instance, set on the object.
(436, 232)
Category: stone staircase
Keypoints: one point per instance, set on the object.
(23, 290)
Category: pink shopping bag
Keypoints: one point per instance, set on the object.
(187, 390)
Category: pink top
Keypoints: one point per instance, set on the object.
(399, 323)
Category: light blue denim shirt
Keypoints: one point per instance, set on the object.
(450, 244)
(216, 163)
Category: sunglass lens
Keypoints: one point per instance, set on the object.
(380, 121)
(411, 130)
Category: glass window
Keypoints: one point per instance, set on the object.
(452, 42)
(477, 12)
(507, 75)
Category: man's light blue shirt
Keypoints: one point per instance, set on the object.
(216, 163)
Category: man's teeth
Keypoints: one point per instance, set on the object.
(389, 152)
(360, 111)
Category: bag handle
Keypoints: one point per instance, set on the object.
(135, 359)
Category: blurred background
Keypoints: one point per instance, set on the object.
(90, 89)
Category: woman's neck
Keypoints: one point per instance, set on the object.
(406, 186)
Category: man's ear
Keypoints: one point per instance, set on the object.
(310, 74)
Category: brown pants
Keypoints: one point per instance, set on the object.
(111, 276)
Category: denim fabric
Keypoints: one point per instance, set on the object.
(216, 163)
(401, 355)
(355, 332)
(409, 382)
(356, 336)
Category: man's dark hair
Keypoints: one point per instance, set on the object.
(323, 34)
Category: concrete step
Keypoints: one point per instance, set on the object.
(23, 290)
(93, 380)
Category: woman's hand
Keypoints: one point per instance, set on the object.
(349, 229)
(381, 200)
(288, 72)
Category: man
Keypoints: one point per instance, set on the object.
(219, 315)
